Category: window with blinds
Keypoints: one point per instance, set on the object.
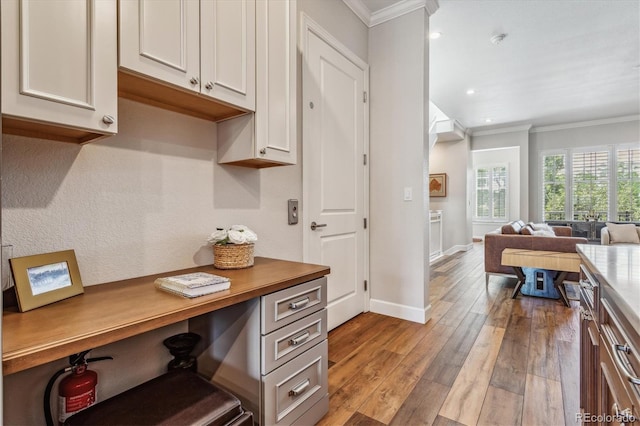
(628, 185)
(491, 192)
(554, 186)
(590, 185)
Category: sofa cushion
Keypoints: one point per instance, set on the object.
(622, 233)
(527, 230)
(543, 233)
(513, 227)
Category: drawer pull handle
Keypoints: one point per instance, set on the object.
(586, 284)
(300, 339)
(300, 388)
(622, 365)
(299, 304)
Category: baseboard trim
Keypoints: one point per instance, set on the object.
(409, 313)
(457, 248)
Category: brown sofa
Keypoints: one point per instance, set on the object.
(512, 236)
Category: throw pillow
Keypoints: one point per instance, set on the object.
(541, 227)
(622, 233)
(527, 230)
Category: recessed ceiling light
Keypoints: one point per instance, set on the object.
(470, 92)
(435, 35)
(488, 120)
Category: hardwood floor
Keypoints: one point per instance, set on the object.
(482, 359)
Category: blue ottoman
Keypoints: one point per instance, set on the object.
(539, 282)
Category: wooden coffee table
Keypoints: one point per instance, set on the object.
(561, 262)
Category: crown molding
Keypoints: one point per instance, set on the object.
(360, 10)
(391, 12)
(589, 123)
(523, 128)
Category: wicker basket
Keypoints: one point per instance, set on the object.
(233, 256)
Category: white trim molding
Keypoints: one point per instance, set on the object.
(585, 124)
(459, 247)
(523, 128)
(402, 7)
(409, 313)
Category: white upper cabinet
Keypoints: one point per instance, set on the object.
(228, 51)
(59, 68)
(269, 137)
(161, 39)
(206, 46)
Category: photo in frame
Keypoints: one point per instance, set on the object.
(438, 185)
(46, 278)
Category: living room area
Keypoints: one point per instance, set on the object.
(539, 121)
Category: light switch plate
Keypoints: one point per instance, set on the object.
(408, 193)
(293, 211)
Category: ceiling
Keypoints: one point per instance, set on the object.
(562, 61)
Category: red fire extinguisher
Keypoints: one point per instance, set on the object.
(76, 391)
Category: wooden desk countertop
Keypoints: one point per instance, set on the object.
(114, 311)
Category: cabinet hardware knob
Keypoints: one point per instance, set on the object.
(209, 85)
(194, 80)
(263, 151)
(108, 119)
(311, 105)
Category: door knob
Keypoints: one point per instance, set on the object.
(314, 225)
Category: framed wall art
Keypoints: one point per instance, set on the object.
(42, 279)
(438, 185)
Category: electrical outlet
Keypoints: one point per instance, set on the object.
(293, 212)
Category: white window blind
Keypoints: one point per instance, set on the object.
(590, 185)
(491, 193)
(628, 185)
(554, 186)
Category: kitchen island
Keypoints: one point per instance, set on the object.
(610, 333)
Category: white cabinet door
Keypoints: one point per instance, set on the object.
(267, 138)
(276, 30)
(228, 51)
(161, 39)
(59, 63)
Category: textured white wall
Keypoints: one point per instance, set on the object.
(452, 158)
(143, 201)
(399, 110)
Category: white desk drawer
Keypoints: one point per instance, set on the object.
(297, 386)
(288, 342)
(286, 306)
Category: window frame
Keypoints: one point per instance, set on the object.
(612, 164)
(490, 218)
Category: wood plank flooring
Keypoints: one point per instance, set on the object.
(482, 359)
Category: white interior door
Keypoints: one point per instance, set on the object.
(334, 172)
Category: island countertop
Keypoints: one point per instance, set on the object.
(110, 312)
(617, 268)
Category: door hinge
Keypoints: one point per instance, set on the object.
(364, 159)
(364, 97)
(365, 285)
(365, 223)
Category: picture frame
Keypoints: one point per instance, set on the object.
(438, 185)
(47, 278)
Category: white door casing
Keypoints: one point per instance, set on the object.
(335, 177)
